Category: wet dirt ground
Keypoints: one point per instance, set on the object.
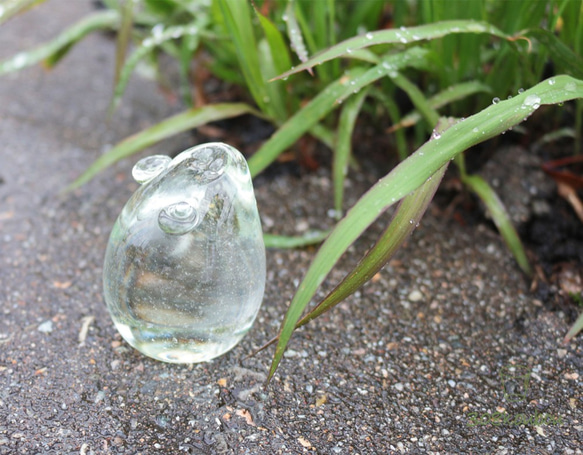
(445, 351)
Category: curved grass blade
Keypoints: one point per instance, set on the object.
(148, 44)
(10, 8)
(166, 128)
(404, 221)
(328, 99)
(417, 97)
(343, 147)
(299, 241)
(409, 175)
(277, 46)
(237, 17)
(123, 37)
(574, 330)
(395, 115)
(54, 50)
(449, 95)
(500, 217)
(294, 33)
(398, 36)
(560, 53)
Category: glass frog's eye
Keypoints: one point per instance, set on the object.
(148, 168)
(209, 163)
(178, 219)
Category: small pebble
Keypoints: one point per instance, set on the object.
(415, 296)
(46, 327)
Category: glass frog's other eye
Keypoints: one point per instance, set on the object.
(178, 219)
(148, 168)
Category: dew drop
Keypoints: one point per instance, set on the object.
(148, 168)
(369, 35)
(531, 101)
(402, 28)
(495, 100)
(435, 134)
(284, 17)
(552, 81)
(157, 30)
(475, 130)
(348, 50)
(178, 219)
(520, 90)
(509, 97)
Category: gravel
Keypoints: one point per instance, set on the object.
(412, 363)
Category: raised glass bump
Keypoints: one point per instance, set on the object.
(150, 167)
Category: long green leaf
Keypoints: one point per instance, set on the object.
(559, 52)
(55, 49)
(500, 217)
(325, 102)
(176, 124)
(123, 37)
(409, 175)
(294, 32)
(146, 46)
(449, 95)
(574, 330)
(398, 36)
(237, 17)
(417, 97)
(343, 149)
(297, 241)
(404, 222)
(10, 8)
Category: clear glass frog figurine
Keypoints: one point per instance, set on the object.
(184, 270)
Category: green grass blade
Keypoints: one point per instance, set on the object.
(58, 46)
(417, 97)
(147, 46)
(574, 330)
(123, 37)
(279, 50)
(453, 93)
(10, 8)
(343, 147)
(560, 53)
(176, 124)
(327, 100)
(299, 241)
(392, 109)
(412, 173)
(237, 17)
(294, 32)
(500, 217)
(406, 218)
(398, 36)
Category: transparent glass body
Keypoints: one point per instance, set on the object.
(184, 270)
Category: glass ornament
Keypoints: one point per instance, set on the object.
(184, 270)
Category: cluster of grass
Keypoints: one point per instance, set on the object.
(451, 58)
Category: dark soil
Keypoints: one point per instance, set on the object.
(418, 361)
